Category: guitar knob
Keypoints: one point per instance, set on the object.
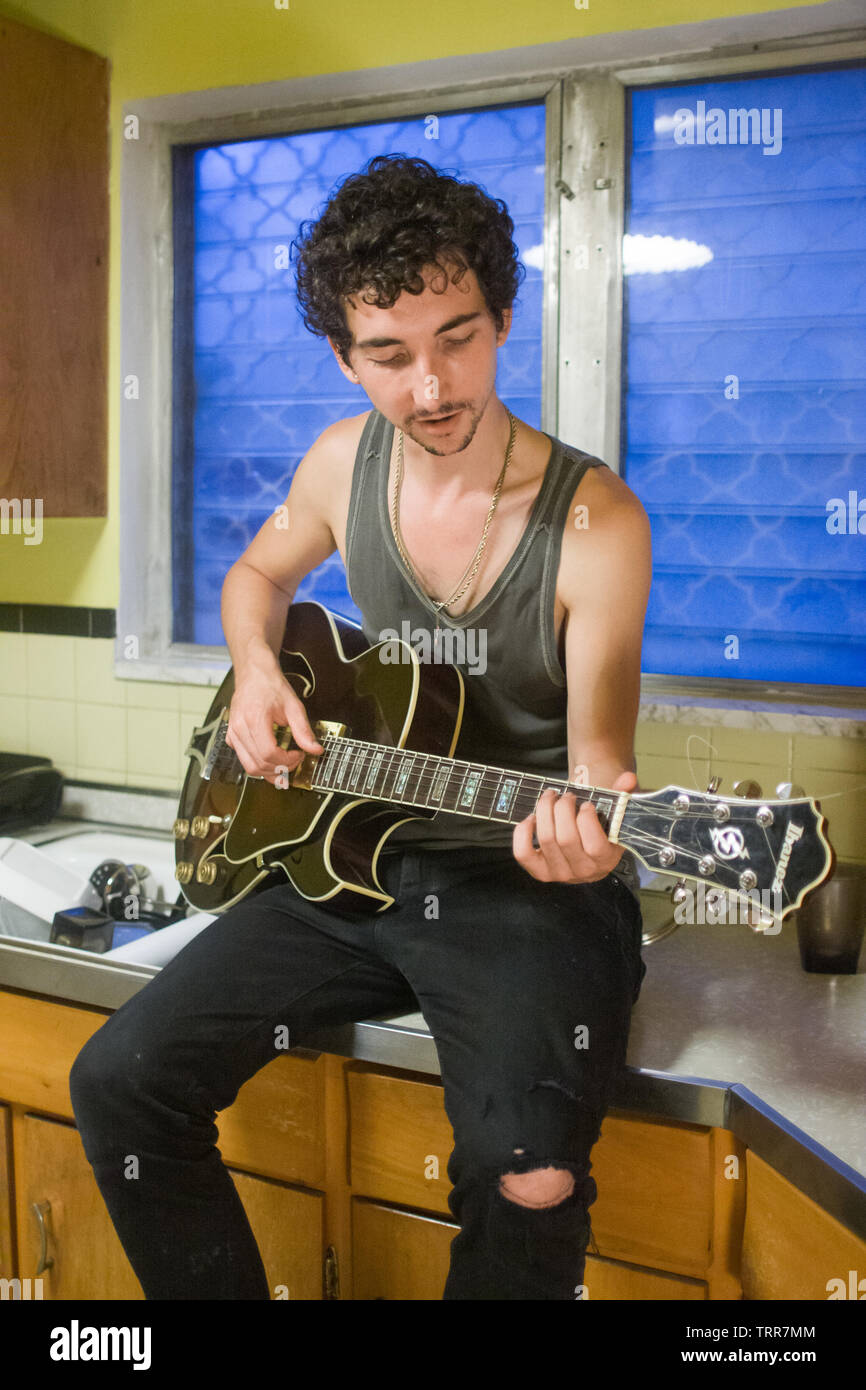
(789, 791)
(713, 785)
(680, 891)
(207, 872)
(199, 828)
(180, 829)
(183, 871)
(750, 791)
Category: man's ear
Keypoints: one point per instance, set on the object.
(347, 371)
(507, 316)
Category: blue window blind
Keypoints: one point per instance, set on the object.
(745, 410)
(262, 387)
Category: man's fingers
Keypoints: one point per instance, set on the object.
(557, 834)
(525, 852)
(594, 842)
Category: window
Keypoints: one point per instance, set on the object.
(258, 386)
(744, 353)
(723, 383)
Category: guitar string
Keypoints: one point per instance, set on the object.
(645, 839)
(335, 743)
(485, 783)
(338, 745)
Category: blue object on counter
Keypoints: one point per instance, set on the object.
(123, 935)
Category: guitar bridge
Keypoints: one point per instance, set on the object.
(302, 775)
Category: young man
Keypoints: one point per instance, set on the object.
(449, 512)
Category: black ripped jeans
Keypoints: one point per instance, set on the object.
(527, 989)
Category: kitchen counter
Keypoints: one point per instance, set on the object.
(728, 1030)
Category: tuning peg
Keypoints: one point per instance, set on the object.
(750, 791)
(679, 892)
(713, 785)
(789, 791)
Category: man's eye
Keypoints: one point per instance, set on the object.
(386, 361)
(458, 342)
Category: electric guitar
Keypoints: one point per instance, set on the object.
(389, 730)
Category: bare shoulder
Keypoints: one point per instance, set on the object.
(326, 468)
(607, 530)
(338, 444)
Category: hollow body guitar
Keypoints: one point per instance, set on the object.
(389, 728)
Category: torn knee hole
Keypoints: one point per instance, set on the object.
(542, 1187)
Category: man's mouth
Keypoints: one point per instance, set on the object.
(440, 419)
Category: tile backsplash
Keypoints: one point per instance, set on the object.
(60, 698)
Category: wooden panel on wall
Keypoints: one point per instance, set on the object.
(54, 252)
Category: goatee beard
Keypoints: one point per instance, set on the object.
(444, 453)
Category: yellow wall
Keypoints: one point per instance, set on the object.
(161, 46)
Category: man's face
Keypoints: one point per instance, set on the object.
(431, 354)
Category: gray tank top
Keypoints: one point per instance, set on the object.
(505, 646)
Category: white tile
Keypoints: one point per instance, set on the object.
(13, 663)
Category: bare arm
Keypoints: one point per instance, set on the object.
(256, 595)
(605, 575)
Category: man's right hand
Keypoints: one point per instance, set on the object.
(263, 698)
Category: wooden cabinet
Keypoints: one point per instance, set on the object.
(60, 1211)
(288, 1225)
(398, 1254)
(400, 1138)
(54, 104)
(792, 1248)
(611, 1281)
(342, 1169)
(6, 1259)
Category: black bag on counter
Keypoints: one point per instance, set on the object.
(31, 789)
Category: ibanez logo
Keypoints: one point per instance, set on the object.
(792, 835)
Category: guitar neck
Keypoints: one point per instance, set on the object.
(431, 782)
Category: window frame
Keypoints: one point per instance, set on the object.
(585, 170)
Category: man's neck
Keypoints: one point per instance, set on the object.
(459, 472)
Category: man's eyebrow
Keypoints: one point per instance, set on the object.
(398, 342)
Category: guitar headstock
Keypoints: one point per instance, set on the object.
(776, 849)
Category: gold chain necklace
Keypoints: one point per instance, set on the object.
(476, 559)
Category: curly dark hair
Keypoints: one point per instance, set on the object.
(383, 225)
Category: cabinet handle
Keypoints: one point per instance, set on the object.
(42, 1209)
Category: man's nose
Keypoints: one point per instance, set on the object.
(427, 388)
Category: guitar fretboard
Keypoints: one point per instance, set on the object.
(435, 783)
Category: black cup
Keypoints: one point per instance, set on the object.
(831, 923)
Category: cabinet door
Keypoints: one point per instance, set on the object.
(655, 1194)
(792, 1248)
(57, 1193)
(288, 1228)
(54, 114)
(607, 1280)
(400, 1139)
(6, 1269)
(399, 1254)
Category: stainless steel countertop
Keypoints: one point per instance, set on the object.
(728, 1030)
